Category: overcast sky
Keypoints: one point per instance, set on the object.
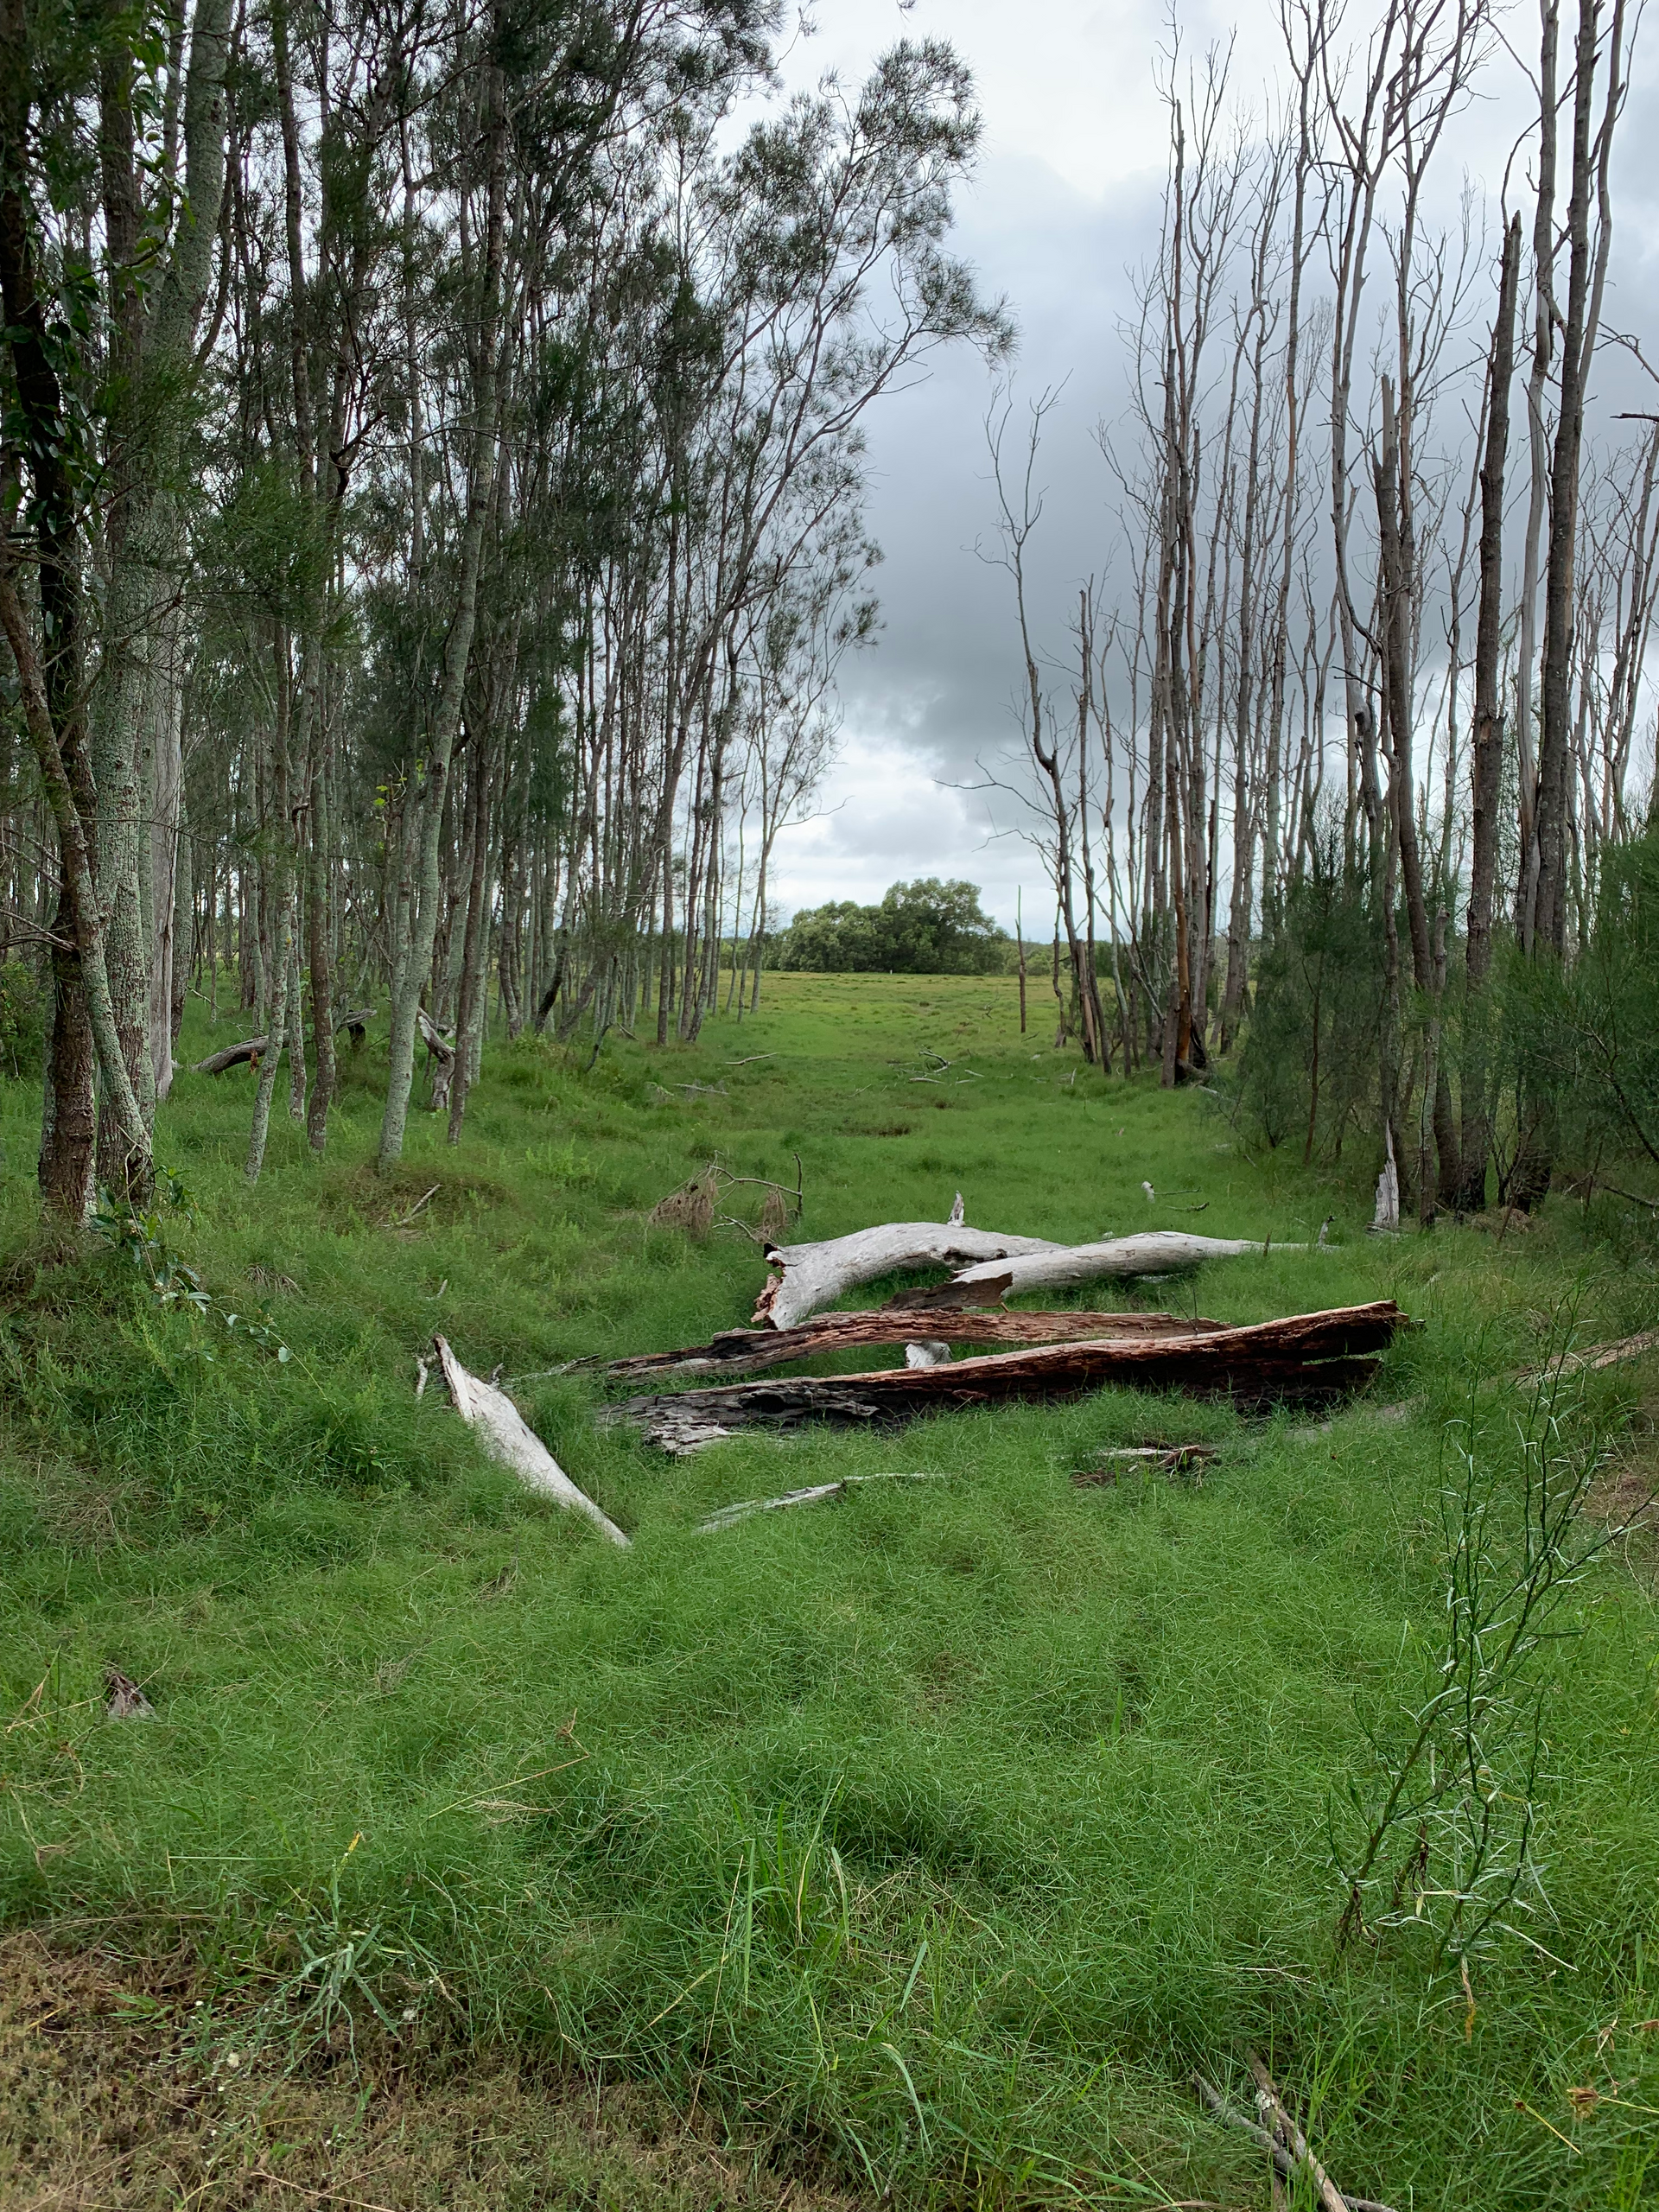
(1065, 205)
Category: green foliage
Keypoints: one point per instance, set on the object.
(22, 1021)
(1439, 1837)
(1308, 1068)
(924, 928)
(139, 1237)
(1582, 1040)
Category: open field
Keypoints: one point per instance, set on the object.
(924, 1842)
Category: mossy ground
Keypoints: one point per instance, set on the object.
(924, 1842)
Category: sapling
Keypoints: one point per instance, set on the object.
(1446, 1826)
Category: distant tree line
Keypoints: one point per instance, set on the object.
(924, 928)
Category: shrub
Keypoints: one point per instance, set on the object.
(1310, 1058)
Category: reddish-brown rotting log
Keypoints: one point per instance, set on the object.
(1303, 1359)
(735, 1351)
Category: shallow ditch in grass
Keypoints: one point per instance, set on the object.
(128, 2080)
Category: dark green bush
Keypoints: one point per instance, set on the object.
(1310, 1058)
(22, 1021)
(924, 928)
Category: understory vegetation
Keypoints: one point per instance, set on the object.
(914, 1848)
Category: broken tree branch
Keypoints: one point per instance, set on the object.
(440, 1056)
(507, 1437)
(1593, 1357)
(1272, 2108)
(232, 1056)
(1153, 1252)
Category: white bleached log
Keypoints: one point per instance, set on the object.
(1155, 1252)
(811, 1276)
(508, 1437)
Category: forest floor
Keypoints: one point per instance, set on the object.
(913, 1848)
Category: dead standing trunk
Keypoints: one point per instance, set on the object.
(1486, 765)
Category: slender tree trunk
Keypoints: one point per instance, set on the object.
(457, 649)
(1487, 761)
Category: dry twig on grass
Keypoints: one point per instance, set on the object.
(1150, 1459)
(1285, 2159)
(685, 1208)
(730, 1516)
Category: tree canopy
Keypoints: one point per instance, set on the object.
(924, 928)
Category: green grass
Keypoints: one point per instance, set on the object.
(939, 1832)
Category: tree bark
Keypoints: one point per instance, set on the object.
(1304, 1359)
(1487, 762)
(458, 644)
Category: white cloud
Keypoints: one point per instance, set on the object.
(890, 812)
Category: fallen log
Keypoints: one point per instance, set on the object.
(507, 1437)
(1304, 1359)
(232, 1056)
(737, 1352)
(1153, 1252)
(811, 1276)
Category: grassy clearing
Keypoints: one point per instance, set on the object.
(923, 1842)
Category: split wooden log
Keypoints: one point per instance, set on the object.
(507, 1437)
(812, 1276)
(1285, 2161)
(1154, 1252)
(232, 1056)
(730, 1516)
(738, 1352)
(1306, 1358)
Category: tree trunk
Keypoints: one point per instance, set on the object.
(1487, 762)
(457, 649)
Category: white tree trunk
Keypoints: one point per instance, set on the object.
(1157, 1252)
(812, 1276)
